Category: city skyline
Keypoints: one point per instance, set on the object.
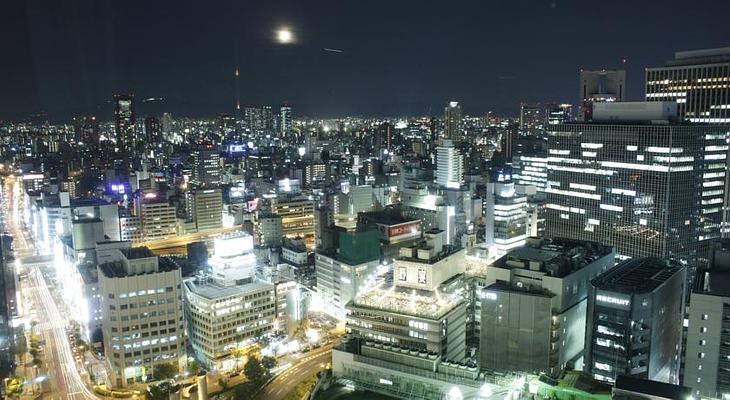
(374, 60)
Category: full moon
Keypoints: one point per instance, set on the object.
(284, 36)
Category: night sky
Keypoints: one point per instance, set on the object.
(398, 57)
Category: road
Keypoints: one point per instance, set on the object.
(285, 382)
(63, 378)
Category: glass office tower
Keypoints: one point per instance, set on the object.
(699, 82)
(640, 183)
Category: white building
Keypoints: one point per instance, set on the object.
(228, 309)
(506, 217)
(142, 315)
(449, 165)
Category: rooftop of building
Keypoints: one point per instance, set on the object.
(212, 290)
(557, 257)
(386, 216)
(446, 251)
(88, 202)
(137, 252)
(86, 220)
(433, 305)
(714, 282)
(637, 275)
(115, 269)
(575, 383)
(699, 57)
(502, 286)
(652, 388)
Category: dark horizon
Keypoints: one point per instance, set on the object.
(401, 59)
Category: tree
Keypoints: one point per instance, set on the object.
(194, 367)
(164, 371)
(223, 383)
(244, 391)
(21, 347)
(269, 362)
(161, 391)
(255, 372)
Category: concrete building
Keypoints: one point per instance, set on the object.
(635, 318)
(707, 356)
(341, 275)
(227, 308)
(157, 216)
(206, 208)
(416, 313)
(268, 230)
(533, 308)
(142, 315)
(206, 167)
(297, 215)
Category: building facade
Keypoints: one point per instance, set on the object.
(635, 318)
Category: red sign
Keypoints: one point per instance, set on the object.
(405, 229)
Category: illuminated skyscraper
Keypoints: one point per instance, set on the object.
(206, 167)
(285, 122)
(533, 118)
(124, 120)
(699, 82)
(634, 178)
(453, 124)
(449, 165)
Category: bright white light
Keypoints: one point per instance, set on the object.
(284, 36)
(486, 391)
(454, 394)
(312, 335)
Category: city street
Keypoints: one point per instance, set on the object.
(63, 379)
(285, 382)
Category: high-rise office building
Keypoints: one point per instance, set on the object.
(285, 120)
(206, 208)
(142, 315)
(157, 216)
(600, 86)
(228, 308)
(533, 118)
(533, 308)
(505, 211)
(634, 324)
(633, 178)
(152, 130)
(449, 165)
(86, 129)
(124, 120)
(297, 215)
(206, 167)
(699, 82)
(268, 230)
(453, 121)
(259, 119)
